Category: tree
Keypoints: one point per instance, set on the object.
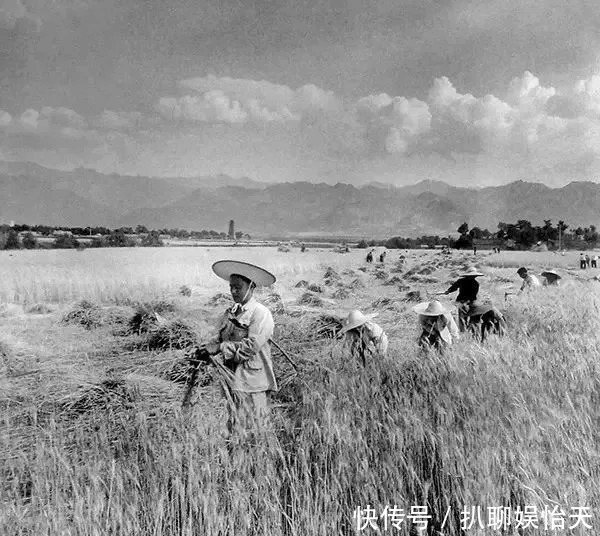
(141, 229)
(239, 235)
(152, 239)
(12, 240)
(463, 229)
(29, 241)
(476, 233)
(66, 242)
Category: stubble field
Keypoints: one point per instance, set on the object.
(94, 442)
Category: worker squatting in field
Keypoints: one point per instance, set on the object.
(364, 336)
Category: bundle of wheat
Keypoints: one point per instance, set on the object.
(362, 268)
(111, 394)
(414, 296)
(380, 273)
(397, 268)
(308, 298)
(274, 302)
(283, 249)
(382, 302)
(324, 326)
(186, 291)
(355, 284)
(173, 334)
(331, 277)
(301, 284)
(313, 287)
(341, 294)
(86, 314)
(395, 280)
(39, 309)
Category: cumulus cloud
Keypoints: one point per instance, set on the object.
(234, 100)
(400, 121)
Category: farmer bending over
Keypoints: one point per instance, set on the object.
(364, 336)
(243, 341)
(438, 328)
(529, 280)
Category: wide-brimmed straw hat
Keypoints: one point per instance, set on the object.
(356, 319)
(432, 308)
(522, 270)
(259, 276)
(551, 274)
(471, 272)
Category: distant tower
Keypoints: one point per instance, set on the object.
(231, 233)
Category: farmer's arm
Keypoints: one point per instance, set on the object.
(453, 288)
(260, 331)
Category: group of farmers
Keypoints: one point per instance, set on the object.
(242, 341)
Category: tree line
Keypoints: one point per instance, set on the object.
(26, 236)
(520, 235)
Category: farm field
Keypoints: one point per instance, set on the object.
(93, 440)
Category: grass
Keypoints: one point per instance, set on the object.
(95, 442)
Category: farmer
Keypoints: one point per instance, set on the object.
(364, 336)
(582, 263)
(529, 280)
(587, 260)
(486, 318)
(438, 328)
(243, 342)
(303, 247)
(550, 277)
(595, 261)
(382, 256)
(468, 288)
(370, 256)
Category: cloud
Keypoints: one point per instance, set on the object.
(5, 119)
(235, 100)
(400, 121)
(13, 13)
(111, 120)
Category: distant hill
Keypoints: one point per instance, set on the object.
(33, 194)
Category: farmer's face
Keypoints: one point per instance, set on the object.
(239, 288)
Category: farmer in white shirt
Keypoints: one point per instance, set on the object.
(530, 282)
(243, 338)
(438, 328)
(364, 336)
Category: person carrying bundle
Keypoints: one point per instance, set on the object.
(364, 336)
(438, 328)
(370, 256)
(244, 332)
(468, 288)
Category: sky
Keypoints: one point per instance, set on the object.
(471, 92)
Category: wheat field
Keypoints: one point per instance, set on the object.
(94, 442)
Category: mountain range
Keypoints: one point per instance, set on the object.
(82, 197)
